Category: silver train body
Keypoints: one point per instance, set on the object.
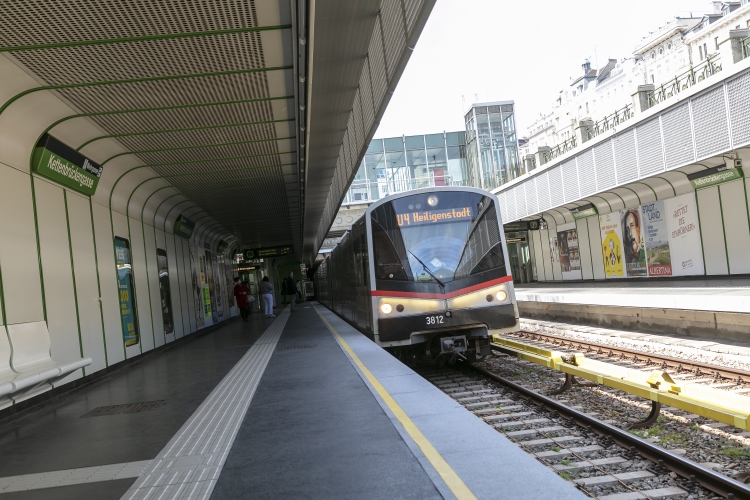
(426, 271)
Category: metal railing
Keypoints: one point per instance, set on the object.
(559, 149)
(745, 45)
(370, 191)
(611, 121)
(681, 82)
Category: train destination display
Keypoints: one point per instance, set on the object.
(432, 216)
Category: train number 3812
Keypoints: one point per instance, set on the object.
(435, 320)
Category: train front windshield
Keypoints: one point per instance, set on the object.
(440, 238)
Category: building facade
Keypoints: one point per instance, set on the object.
(398, 164)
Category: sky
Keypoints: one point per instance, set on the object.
(525, 51)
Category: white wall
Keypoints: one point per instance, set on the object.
(57, 264)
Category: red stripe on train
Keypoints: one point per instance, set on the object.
(450, 295)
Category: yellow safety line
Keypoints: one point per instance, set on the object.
(454, 482)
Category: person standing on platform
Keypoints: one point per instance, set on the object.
(284, 292)
(266, 289)
(240, 294)
(291, 288)
(299, 291)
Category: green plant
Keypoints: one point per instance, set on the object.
(566, 462)
(555, 448)
(566, 475)
(736, 452)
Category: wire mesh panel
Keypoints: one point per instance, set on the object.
(678, 137)
(542, 191)
(626, 165)
(556, 186)
(412, 10)
(650, 155)
(570, 180)
(710, 122)
(532, 200)
(512, 212)
(604, 162)
(739, 110)
(393, 32)
(586, 173)
(523, 210)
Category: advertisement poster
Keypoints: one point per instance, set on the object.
(197, 295)
(570, 256)
(206, 303)
(684, 235)
(611, 245)
(658, 256)
(216, 278)
(125, 289)
(211, 287)
(202, 268)
(554, 251)
(633, 244)
(165, 291)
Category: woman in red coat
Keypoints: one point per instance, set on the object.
(240, 293)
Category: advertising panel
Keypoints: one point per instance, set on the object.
(633, 243)
(165, 291)
(125, 292)
(612, 245)
(684, 235)
(197, 294)
(658, 254)
(570, 256)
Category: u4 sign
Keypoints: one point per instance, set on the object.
(64, 165)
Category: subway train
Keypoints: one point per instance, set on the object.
(424, 274)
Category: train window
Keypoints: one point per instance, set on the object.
(166, 296)
(436, 237)
(125, 291)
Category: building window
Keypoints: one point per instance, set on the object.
(747, 24)
(669, 46)
(700, 52)
(716, 41)
(705, 50)
(661, 50)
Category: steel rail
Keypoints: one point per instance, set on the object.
(718, 483)
(664, 362)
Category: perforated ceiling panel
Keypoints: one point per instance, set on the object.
(223, 100)
(200, 93)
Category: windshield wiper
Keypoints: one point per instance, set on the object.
(426, 269)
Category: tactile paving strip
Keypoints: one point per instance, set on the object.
(190, 464)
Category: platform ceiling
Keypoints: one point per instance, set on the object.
(248, 116)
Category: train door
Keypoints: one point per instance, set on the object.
(519, 255)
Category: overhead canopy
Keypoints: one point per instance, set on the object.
(211, 109)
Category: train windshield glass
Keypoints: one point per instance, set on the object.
(436, 237)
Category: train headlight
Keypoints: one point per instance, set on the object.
(432, 200)
(501, 295)
(386, 309)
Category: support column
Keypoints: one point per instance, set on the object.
(641, 96)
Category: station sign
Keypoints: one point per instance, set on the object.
(715, 175)
(184, 227)
(587, 210)
(64, 165)
(513, 227)
(259, 253)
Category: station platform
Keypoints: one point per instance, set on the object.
(302, 406)
(722, 295)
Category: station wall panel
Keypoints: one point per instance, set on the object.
(548, 271)
(536, 247)
(187, 287)
(87, 288)
(59, 295)
(149, 239)
(584, 248)
(595, 243)
(736, 229)
(18, 249)
(712, 231)
(142, 291)
(179, 259)
(114, 349)
(174, 285)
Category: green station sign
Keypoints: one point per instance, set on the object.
(587, 210)
(64, 165)
(184, 227)
(259, 253)
(714, 176)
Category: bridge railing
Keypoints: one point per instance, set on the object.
(369, 191)
(611, 121)
(684, 81)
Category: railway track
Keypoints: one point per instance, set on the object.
(718, 377)
(603, 461)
